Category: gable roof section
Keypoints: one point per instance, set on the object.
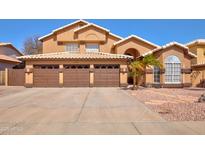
(68, 25)
(63, 27)
(196, 42)
(90, 25)
(169, 45)
(135, 37)
(9, 44)
(99, 27)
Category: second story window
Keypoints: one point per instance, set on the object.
(92, 47)
(72, 47)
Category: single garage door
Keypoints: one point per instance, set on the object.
(76, 76)
(106, 76)
(46, 76)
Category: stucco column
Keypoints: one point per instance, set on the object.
(29, 76)
(91, 75)
(123, 75)
(61, 75)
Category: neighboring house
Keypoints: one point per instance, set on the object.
(8, 54)
(198, 64)
(85, 54)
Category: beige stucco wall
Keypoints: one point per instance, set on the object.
(108, 45)
(51, 45)
(91, 34)
(198, 76)
(29, 75)
(123, 75)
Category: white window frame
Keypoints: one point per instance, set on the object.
(74, 48)
(92, 49)
(174, 70)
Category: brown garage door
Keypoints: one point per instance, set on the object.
(106, 76)
(46, 77)
(16, 77)
(76, 76)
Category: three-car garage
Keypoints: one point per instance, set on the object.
(76, 75)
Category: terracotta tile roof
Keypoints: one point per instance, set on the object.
(169, 45)
(10, 59)
(67, 55)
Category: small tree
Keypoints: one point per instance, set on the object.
(138, 68)
(32, 46)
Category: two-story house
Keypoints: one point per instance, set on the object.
(83, 54)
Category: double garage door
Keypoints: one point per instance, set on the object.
(76, 76)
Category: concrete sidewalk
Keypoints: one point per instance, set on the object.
(83, 128)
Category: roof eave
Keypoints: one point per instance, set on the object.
(136, 37)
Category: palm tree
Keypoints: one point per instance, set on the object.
(138, 67)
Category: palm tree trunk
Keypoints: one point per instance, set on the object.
(139, 81)
(134, 82)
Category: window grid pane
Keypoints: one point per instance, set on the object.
(72, 47)
(92, 47)
(173, 72)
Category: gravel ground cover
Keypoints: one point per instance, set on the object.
(173, 104)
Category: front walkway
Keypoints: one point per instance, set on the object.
(82, 111)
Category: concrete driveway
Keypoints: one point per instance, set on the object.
(79, 111)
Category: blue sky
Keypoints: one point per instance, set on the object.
(156, 31)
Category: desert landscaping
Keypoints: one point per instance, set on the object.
(173, 104)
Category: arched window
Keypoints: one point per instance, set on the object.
(172, 70)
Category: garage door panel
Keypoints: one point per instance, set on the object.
(106, 77)
(76, 78)
(46, 77)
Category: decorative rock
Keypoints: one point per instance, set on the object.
(201, 99)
